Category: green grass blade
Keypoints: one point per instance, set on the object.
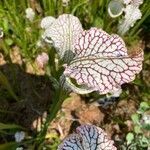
(9, 126)
(6, 84)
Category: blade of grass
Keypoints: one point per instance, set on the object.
(9, 126)
(4, 81)
(57, 102)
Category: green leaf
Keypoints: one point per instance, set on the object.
(144, 106)
(129, 138)
(78, 5)
(5, 25)
(146, 127)
(98, 22)
(137, 129)
(135, 118)
(9, 41)
(145, 140)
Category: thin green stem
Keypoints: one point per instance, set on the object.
(53, 112)
(51, 7)
(77, 6)
(52, 64)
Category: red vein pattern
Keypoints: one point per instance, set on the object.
(63, 32)
(88, 137)
(102, 62)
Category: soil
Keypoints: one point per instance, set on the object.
(115, 119)
(34, 94)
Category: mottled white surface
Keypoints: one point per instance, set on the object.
(102, 62)
(47, 22)
(88, 137)
(63, 33)
(132, 14)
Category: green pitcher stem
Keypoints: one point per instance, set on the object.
(53, 112)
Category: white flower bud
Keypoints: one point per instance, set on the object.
(30, 14)
(19, 136)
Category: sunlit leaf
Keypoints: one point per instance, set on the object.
(144, 106)
(130, 137)
(9, 41)
(137, 129)
(135, 118)
(63, 32)
(102, 62)
(87, 137)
